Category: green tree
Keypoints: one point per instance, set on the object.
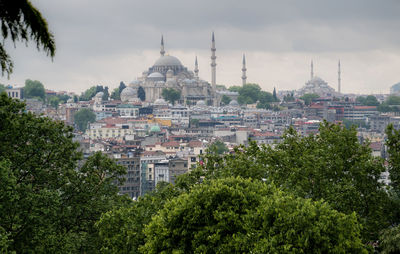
(225, 99)
(218, 147)
(234, 88)
(83, 117)
(309, 97)
(106, 94)
(289, 98)
(115, 95)
(390, 241)
(332, 166)
(54, 101)
(235, 215)
(274, 95)
(249, 94)
(34, 89)
(48, 202)
(121, 230)
(2, 88)
(194, 123)
(370, 100)
(171, 95)
(265, 99)
(21, 21)
(391, 104)
(393, 149)
(88, 94)
(141, 93)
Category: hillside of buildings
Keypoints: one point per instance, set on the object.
(136, 165)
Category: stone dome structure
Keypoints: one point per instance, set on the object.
(233, 103)
(128, 94)
(99, 95)
(317, 85)
(167, 61)
(160, 102)
(156, 76)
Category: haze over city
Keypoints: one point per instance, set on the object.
(105, 42)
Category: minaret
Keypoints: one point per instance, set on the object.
(196, 69)
(162, 51)
(213, 69)
(244, 77)
(339, 77)
(312, 69)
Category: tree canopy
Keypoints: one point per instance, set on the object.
(235, 215)
(391, 104)
(218, 147)
(34, 89)
(171, 95)
(21, 21)
(225, 99)
(141, 93)
(332, 166)
(83, 117)
(2, 88)
(370, 100)
(308, 97)
(49, 202)
(92, 91)
(252, 93)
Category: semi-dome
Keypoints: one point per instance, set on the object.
(168, 61)
(156, 75)
(233, 103)
(128, 93)
(99, 95)
(160, 101)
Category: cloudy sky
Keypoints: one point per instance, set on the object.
(105, 42)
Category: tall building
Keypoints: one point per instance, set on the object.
(213, 68)
(244, 77)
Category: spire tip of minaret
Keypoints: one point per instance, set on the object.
(162, 51)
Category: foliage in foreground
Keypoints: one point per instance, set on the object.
(21, 21)
(121, 230)
(48, 203)
(244, 216)
(332, 166)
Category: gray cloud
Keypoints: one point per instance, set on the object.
(103, 42)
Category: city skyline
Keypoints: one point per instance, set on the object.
(115, 44)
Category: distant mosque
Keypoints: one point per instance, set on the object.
(317, 85)
(168, 72)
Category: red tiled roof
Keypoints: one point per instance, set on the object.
(195, 143)
(170, 144)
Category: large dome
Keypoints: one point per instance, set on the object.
(128, 94)
(168, 61)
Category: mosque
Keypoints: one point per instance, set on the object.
(317, 85)
(169, 72)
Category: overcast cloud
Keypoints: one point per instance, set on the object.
(105, 42)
